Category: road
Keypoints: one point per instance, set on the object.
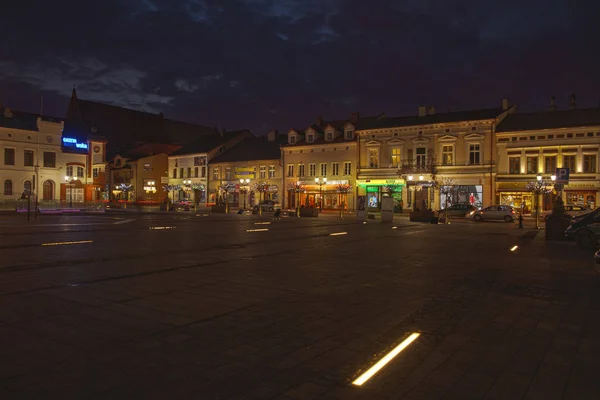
(244, 307)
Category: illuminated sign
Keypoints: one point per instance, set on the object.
(74, 144)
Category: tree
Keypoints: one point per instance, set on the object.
(227, 188)
(297, 188)
(538, 187)
(260, 187)
(342, 189)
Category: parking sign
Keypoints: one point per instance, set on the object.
(562, 175)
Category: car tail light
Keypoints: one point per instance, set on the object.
(512, 211)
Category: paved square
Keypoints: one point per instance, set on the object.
(186, 306)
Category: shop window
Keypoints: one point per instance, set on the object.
(474, 153)
(514, 165)
(532, 165)
(589, 163)
(448, 155)
(312, 169)
(335, 169)
(550, 164)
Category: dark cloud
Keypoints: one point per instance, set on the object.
(279, 63)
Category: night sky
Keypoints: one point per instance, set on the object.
(266, 64)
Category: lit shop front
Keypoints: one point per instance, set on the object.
(326, 195)
(374, 189)
(583, 195)
(464, 194)
(517, 195)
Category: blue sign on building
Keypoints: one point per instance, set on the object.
(562, 175)
(72, 143)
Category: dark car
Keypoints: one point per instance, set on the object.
(585, 229)
(459, 210)
(267, 205)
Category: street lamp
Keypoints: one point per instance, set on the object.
(321, 182)
(539, 177)
(69, 182)
(538, 187)
(244, 190)
(298, 187)
(421, 177)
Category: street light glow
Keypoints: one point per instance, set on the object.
(553, 177)
(388, 357)
(539, 177)
(410, 177)
(66, 243)
(514, 248)
(421, 177)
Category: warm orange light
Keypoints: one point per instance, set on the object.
(66, 243)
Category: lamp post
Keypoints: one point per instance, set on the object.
(321, 182)
(538, 187)
(244, 190)
(69, 183)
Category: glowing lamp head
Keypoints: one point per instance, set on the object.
(410, 177)
(317, 180)
(553, 177)
(66, 178)
(421, 177)
(324, 179)
(539, 177)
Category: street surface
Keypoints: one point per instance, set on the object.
(182, 305)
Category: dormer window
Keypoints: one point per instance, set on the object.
(349, 134)
(329, 136)
(292, 139)
(310, 138)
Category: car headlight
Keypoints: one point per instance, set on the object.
(472, 212)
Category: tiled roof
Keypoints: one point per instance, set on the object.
(254, 148)
(457, 116)
(209, 142)
(22, 120)
(550, 120)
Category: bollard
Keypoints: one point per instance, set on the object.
(520, 221)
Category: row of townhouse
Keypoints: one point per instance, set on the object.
(488, 155)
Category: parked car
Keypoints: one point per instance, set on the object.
(500, 213)
(458, 210)
(181, 205)
(267, 205)
(570, 210)
(585, 230)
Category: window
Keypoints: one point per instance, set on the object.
(181, 173)
(28, 158)
(335, 169)
(189, 172)
(292, 139)
(9, 156)
(262, 172)
(312, 169)
(228, 173)
(203, 171)
(216, 174)
(117, 162)
(290, 172)
(310, 138)
(373, 158)
(301, 170)
(27, 187)
(589, 163)
(349, 134)
(271, 171)
(514, 165)
(550, 164)
(569, 162)
(195, 172)
(95, 172)
(421, 156)
(448, 155)
(329, 135)
(395, 156)
(69, 170)
(174, 173)
(80, 172)
(347, 168)
(7, 187)
(474, 153)
(323, 169)
(532, 165)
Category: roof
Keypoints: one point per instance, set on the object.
(150, 149)
(438, 118)
(550, 120)
(22, 120)
(207, 143)
(251, 149)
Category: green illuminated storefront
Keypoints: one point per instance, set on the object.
(374, 189)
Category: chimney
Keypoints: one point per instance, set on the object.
(422, 111)
(272, 135)
(504, 104)
(319, 120)
(354, 117)
(573, 101)
(431, 111)
(552, 104)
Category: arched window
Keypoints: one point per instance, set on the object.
(8, 187)
(48, 190)
(27, 187)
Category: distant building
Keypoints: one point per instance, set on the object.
(537, 143)
(251, 166)
(408, 157)
(189, 175)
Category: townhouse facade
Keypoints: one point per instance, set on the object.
(188, 167)
(409, 158)
(319, 164)
(535, 144)
(252, 168)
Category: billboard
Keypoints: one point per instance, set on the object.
(73, 144)
(245, 172)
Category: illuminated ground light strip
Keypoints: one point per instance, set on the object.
(514, 248)
(262, 223)
(388, 357)
(64, 243)
(394, 227)
(257, 230)
(162, 227)
(338, 233)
